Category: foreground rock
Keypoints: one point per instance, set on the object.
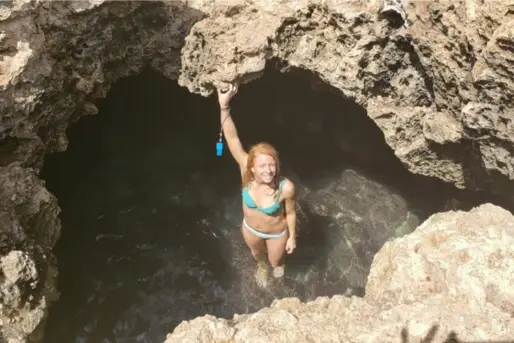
(453, 276)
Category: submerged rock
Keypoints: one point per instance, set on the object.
(355, 216)
(452, 276)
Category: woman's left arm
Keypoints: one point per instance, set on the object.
(290, 201)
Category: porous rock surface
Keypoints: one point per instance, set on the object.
(436, 77)
(56, 58)
(452, 277)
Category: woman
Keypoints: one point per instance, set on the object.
(269, 203)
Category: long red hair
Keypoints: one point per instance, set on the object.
(257, 149)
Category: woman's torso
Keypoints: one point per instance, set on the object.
(270, 216)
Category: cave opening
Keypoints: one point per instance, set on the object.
(151, 216)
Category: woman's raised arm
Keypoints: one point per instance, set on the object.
(228, 126)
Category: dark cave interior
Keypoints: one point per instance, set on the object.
(151, 215)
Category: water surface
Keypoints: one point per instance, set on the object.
(151, 217)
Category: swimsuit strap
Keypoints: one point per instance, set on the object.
(247, 198)
(280, 186)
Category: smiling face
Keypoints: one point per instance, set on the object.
(263, 165)
(264, 168)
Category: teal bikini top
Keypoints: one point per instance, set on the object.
(270, 210)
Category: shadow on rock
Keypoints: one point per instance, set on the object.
(431, 337)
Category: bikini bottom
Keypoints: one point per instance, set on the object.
(262, 234)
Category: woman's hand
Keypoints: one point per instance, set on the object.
(225, 95)
(290, 245)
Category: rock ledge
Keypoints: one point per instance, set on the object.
(453, 276)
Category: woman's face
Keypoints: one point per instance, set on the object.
(264, 168)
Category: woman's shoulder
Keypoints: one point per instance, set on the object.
(287, 186)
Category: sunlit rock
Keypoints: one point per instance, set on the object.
(451, 277)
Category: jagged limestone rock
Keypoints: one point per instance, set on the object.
(422, 68)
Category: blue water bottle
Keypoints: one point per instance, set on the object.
(219, 148)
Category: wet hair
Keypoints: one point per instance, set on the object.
(255, 150)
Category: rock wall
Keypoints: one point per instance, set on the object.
(29, 229)
(57, 58)
(452, 277)
(434, 76)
